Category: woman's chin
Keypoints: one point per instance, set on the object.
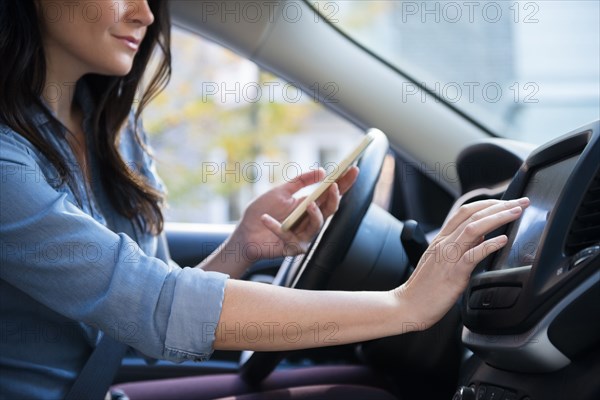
(121, 71)
(116, 68)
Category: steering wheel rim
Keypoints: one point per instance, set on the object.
(327, 251)
(330, 247)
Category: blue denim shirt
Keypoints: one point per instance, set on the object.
(71, 272)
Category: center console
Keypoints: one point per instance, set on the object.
(531, 310)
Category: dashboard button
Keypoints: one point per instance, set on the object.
(494, 393)
(493, 298)
(482, 299)
(487, 298)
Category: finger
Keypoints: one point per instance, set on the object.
(314, 223)
(475, 255)
(337, 189)
(505, 205)
(463, 213)
(274, 226)
(467, 210)
(303, 180)
(331, 202)
(303, 233)
(474, 230)
(348, 179)
(293, 244)
(303, 222)
(494, 209)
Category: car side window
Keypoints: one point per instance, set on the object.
(224, 131)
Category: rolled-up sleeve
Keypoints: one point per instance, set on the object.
(69, 262)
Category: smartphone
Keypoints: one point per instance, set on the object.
(332, 177)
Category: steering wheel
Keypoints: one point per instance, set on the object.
(313, 269)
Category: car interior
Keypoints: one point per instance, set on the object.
(527, 326)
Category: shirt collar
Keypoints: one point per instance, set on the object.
(83, 97)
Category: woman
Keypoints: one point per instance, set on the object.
(81, 220)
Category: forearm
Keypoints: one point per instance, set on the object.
(263, 317)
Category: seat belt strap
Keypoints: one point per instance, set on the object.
(99, 371)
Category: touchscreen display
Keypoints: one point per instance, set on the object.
(543, 190)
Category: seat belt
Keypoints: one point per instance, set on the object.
(99, 371)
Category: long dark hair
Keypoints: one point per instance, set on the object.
(22, 79)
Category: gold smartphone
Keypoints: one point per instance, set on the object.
(332, 177)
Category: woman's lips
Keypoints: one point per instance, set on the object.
(130, 41)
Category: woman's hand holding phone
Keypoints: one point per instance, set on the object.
(332, 178)
(261, 234)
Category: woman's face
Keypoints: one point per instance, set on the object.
(93, 36)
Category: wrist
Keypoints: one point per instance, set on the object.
(409, 317)
(246, 247)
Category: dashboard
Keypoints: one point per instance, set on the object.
(531, 310)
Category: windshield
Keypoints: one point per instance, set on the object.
(524, 70)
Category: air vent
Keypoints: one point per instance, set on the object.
(585, 229)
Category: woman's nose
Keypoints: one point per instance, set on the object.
(140, 14)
